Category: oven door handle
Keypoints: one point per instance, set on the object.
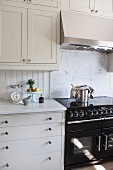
(99, 143)
(83, 121)
(106, 142)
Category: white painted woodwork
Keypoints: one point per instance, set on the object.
(42, 80)
(50, 3)
(42, 36)
(13, 34)
(95, 7)
(78, 5)
(24, 1)
(30, 146)
(32, 131)
(39, 162)
(81, 5)
(104, 8)
(30, 119)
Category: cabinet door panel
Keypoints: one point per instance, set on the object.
(42, 36)
(13, 34)
(81, 5)
(104, 7)
(48, 161)
(51, 3)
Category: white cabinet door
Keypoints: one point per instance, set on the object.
(51, 3)
(18, 0)
(79, 5)
(13, 34)
(104, 8)
(42, 37)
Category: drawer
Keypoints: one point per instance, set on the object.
(49, 161)
(29, 147)
(49, 3)
(30, 119)
(32, 131)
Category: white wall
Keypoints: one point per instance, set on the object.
(80, 68)
(76, 67)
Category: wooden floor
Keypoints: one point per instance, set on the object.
(102, 166)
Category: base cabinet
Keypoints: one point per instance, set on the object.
(49, 161)
(37, 145)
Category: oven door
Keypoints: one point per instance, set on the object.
(82, 147)
(107, 143)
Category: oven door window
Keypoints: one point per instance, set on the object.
(82, 147)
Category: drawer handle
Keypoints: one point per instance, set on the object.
(50, 118)
(6, 122)
(49, 158)
(7, 165)
(50, 129)
(50, 142)
(7, 147)
(6, 133)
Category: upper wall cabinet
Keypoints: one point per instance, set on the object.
(96, 7)
(50, 3)
(42, 36)
(13, 34)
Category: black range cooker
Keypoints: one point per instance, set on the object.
(88, 131)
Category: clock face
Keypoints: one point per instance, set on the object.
(16, 96)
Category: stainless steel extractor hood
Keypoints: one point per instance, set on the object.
(86, 32)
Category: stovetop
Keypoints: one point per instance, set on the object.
(96, 101)
(99, 107)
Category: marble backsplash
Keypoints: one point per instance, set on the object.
(81, 68)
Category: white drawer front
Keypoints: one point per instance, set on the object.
(49, 161)
(32, 131)
(29, 147)
(29, 119)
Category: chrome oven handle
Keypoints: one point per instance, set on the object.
(106, 142)
(99, 143)
(83, 121)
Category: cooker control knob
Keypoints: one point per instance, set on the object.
(81, 114)
(91, 113)
(95, 112)
(70, 114)
(106, 111)
(110, 111)
(101, 112)
(75, 114)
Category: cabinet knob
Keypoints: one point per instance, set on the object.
(24, 59)
(7, 165)
(92, 10)
(49, 158)
(29, 0)
(96, 11)
(6, 122)
(50, 129)
(50, 118)
(7, 147)
(29, 60)
(6, 133)
(50, 142)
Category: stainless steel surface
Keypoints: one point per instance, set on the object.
(106, 141)
(83, 121)
(99, 143)
(86, 32)
(84, 95)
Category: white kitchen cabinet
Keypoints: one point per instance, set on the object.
(95, 7)
(42, 37)
(13, 34)
(32, 143)
(104, 8)
(49, 3)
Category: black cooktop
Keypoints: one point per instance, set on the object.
(96, 101)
